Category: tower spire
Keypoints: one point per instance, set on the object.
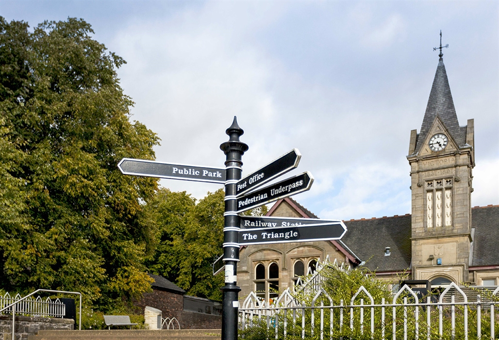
(440, 104)
(440, 48)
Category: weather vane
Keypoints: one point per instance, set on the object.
(440, 48)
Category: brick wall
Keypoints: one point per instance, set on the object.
(30, 325)
(171, 304)
(193, 320)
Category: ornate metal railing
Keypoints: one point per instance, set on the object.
(26, 306)
(32, 306)
(449, 315)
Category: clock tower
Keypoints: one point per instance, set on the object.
(441, 157)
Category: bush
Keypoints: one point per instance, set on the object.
(341, 286)
(91, 319)
(95, 319)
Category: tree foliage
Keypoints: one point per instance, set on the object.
(189, 238)
(68, 218)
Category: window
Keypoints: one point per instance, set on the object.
(267, 280)
(312, 266)
(438, 203)
(260, 271)
(273, 280)
(260, 280)
(489, 282)
(299, 268)
(440, 282)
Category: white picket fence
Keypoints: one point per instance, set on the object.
(33, 306)
(405, 316)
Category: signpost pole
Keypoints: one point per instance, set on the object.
(233, 149)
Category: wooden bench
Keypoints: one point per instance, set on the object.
(118, 320)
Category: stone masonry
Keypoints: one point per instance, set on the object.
(25, 326)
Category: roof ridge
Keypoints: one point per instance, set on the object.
(376, 218)
(395, 216)
(162, 282)
(305, 210)
(295, 205)
(486, 206)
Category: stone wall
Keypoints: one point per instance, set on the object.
(171, 304)
(25, 325)
(193, 320)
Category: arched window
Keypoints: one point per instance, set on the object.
(267, 281)
(299, 269)
(260, 280)
(440, 282)
(260, 272)
(273, 271)
(312, 265)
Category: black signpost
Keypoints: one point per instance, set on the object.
(240, 195)
(234, 150)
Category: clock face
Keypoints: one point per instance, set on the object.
(438, 142)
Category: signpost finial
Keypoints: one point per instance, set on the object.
(234, 129)
(234, 144)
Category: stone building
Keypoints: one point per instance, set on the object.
(190, 311)
(443, 240)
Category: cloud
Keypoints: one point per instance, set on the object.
(370, 189)
(390, 31)
(348, 113)
(378, 28)
(486, 183)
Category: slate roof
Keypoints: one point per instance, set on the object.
(304, 212)
(485, 220)
(441, 104)
(164, 284)
(368, 238)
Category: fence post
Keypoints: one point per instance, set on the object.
(13, 321)
(478, 317)
(341, 316)
(453, 316)
(383, 321)
(492, 321)
(428, 317)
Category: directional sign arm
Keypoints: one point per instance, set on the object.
(313, 232)
(269, 172)
(146, 168)
(291, 186)
(218, 265)
(251, 222)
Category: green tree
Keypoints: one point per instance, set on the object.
(70, 220)
(189, 237)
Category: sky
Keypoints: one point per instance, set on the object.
(344, 82)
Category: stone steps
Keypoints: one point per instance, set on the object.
(117, 334)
